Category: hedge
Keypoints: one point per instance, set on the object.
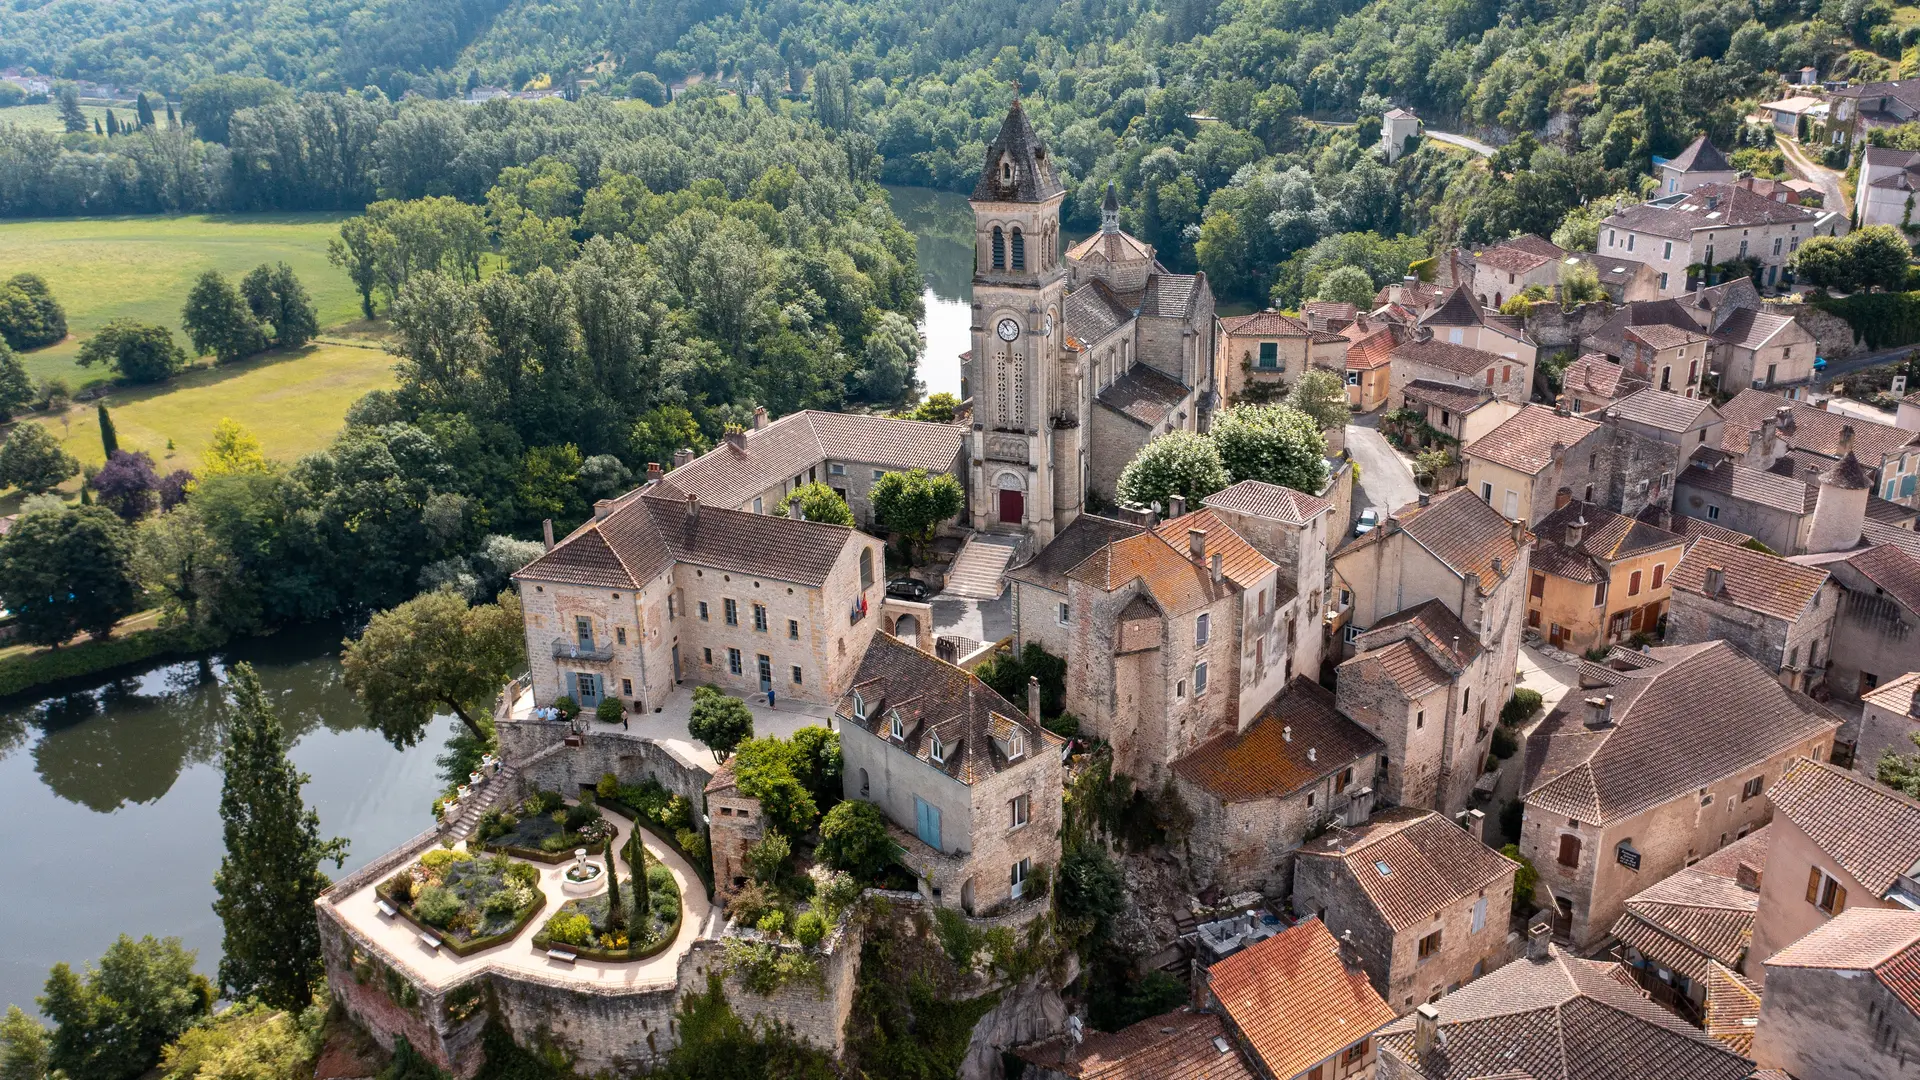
(1882, 320)
(631, 814)
(473, 945)
(28, 671)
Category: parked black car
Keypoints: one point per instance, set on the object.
(908, 589)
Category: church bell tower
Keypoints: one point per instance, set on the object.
(1026, 453)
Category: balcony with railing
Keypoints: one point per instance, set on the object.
(573, 649)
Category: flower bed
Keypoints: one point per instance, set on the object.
(469, 902)
(668, 817)
(544, 828)
(580, 926)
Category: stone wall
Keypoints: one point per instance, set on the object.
(1834, 334)
(1553, 328)
(1871, 635)
(1818, 1022)
(629, 757)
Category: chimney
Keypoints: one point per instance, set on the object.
(1410, 280)
(1426, 1029)
(1599, 712)
(1576, 531)
(546, 530)
(1558, 453)
(1033, 698)
(1747, 876)
(601, 508)
(1519, 532)
(1561, 497)
(682, 456)
(1716, 581)
(1498, 564)
(1756, 448)
(1540, 940)
(693, 506)
(1176, 506)
(1476, 824)
(1218, 570)
(1197, 543)
(1286, 733)
(1426, 499)
(759, 417)
(1846, 440)
(653, 472)
(737, 439)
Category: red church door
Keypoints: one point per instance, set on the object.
(1012, 507)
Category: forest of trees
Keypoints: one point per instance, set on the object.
(1207, 117)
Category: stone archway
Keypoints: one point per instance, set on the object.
(906, 628)
(1011, 498)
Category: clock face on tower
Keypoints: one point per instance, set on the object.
(1008, 329)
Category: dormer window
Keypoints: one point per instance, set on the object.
(937, 750)
(897, 727)
(1006, 172)
(859, 706)
(1017, 746)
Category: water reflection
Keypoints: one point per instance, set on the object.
(123, 779)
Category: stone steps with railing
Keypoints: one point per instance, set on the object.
(477, 804)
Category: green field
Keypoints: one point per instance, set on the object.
(293, 401)
(47, 117)
(142, 267)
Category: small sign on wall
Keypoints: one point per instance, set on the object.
(1627, 857)
(1899, 385)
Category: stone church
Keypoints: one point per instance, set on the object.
(1078, 360)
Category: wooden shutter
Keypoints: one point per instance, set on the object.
(1569, 850)
(1813, 886)
(1839, 898)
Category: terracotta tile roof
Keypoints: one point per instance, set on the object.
(1463, 532)
(1592, 374)
(1879, 532)
(1116, 246)
(1178, 1045)
(1709, 206)
(1257, 498)
(1525, 441)
(1448, 638)
(1885, 941)
(1430, 863)
(1742, 484)
(1898, 696)
(1240, 561)
(1557, 1019)
(1700, 915)
(647, 531)
(1069, 548)
(1520, 254)
(1813, 429)
(1268, 323)
(1605, 538)
(1872, 831)
(1092, 311)
(1143, 395)
(730, 478)
(1751, 328)
(1294, 1000)
(1665, 411)
(1460, 309)
(1459, 359)
(1297, 740)
(1612, 269)
(1754, 580)
(1174, 580)
(933, 698)
(1375, 350)
(1321, 314)
(1893, 570)
(1661, 336)
(1409, 667)
(1698, 528)
(1732, 1008)
(1890, 513)
(1699, 715)
(1450, 396)
(1420, 294)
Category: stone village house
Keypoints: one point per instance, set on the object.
(1422, 901)
(1843, 1002)
(971, 784)
(1890, 717)
(1598, 578)
(1776, 611)
(1681, 934)
(1610, 805)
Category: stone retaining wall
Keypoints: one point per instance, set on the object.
(631, 758)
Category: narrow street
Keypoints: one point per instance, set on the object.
(1386, 483)
(1462, 141)
(1832, 184)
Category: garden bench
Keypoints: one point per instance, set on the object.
(561, 955)
(430, 942)
(387, 910)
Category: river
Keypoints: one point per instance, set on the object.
(110, 796)
(111, 799)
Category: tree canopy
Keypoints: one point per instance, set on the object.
(434, 653)
(1177, 463)
(719, 720)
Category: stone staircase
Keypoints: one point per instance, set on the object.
(491, 794)
(979, 571)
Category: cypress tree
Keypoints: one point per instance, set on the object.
(109, 438)
(113, 124)
(616, 911)
(171, 122)
(145, 110)
(270, 876)
(97, 129)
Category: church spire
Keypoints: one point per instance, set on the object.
(1018, 167)
(1110, 211)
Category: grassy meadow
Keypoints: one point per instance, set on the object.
(47, 117)
(141, 268)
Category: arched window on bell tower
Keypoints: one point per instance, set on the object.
(999, 249)
(1019, 249)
